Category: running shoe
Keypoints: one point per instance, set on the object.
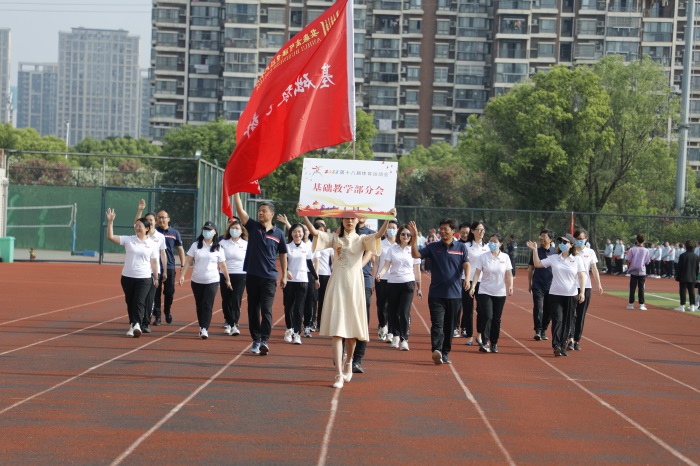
(255, 349)
(297, 339)
(403, 346)
(137, 330)
(264, 349)
(235, 331)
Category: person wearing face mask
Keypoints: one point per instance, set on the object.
(345, 308)
(265, 242)
(158, 241)
(234, 245)
(299, 264)
(322, 264)
(140, 270)
(476, 247)
(495, 271)
(464, 229)
(589, 259)
(539, 280)
(209, 259)
(386, 331)
(403, 281)
(568, 282)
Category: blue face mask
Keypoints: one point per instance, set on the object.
(208, 234)
(391, 232)
(563, 247)
(580, 242)
(235, 232)
(493, 247)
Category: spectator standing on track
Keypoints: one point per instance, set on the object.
(568, 281)
(493, 271)
(404, 280)
(209, 259)
(637, 260)
(464, 229)
(619, 254)
(539, 280)
(658, 262)
(475, 247)
(385, 330)
(686, 275)
(140, 270)
(449, 260)
(677, 254)
(265, 241)
(173, 243)
(608, 253)
(158, 241)
(322, 264)
(234, 245)
(299, 264)
(345, 306)
(512, 251)
(589, 259)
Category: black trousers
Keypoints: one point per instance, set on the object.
(148, 312)
(491, 309)
(400, 297)
(231, 299)
(166, 287)
(687, 286)
(294, 296)
(562, 312)
(580, 316)
(382, 302)
(540, 310)
(261, 295)
(204, 295)
(442, 310)
(618, 264)
(608, 265)
(323, 281)
(468, 311)
(135, 294)
(361, 346)
(637, 281)
(310, 302)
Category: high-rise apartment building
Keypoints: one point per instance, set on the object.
(5, 93)
(421, 68)
(36, 97)
(98, 84)
(145, 93)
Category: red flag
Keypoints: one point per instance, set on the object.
(304, 100)
(572, 224)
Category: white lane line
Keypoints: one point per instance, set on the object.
(604, 403)
(473, 400)
(177, 408)
(657, 296)
(73, 333)
(589, 314)
(329, 429)
(60, 310)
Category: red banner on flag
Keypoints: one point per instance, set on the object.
(304, 100)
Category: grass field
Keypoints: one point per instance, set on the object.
(660, 299)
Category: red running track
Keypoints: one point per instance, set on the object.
(76, 389)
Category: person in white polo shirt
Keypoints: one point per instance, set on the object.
(140, 270)
(235, 245)
(568, 282)
(495, 271)
(209, 259)
(403, 280)
(589, 259)
(299, 264)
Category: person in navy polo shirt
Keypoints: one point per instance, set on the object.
(265, 241)
(539, 282)
(448, 258)
(173, 242)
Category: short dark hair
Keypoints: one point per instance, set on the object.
(549, 233)
(291, 229)
(464, 225)
(269, 205)
(146, 222)
(319, 222)
(394, 221)
(450, 222)
(581, 230)
(640, 238)
(689, 244)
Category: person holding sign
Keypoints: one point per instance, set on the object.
(344, 307)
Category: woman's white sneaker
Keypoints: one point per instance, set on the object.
(404, 346)
(288, 334)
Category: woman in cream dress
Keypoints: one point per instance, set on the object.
(344, 313)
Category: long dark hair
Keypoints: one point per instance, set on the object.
(291, 229)
(398, 234)
(214, 242)
(342, 228)
(472, 227)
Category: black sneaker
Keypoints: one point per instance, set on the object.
(494, 348)
(446, 359)
(537, 336)
(543, 336)
(570, 346)
(563, 352)
(484, 349)
(156, 322)
(264, 349)
(169, 318)
(577, 347)
(557, 352)
(357, 368)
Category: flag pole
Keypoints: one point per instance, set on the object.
(353, 149)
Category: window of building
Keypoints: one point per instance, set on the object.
(412, 73)
(629, 50)
(545, 50)
(238, 87)
(443, 27)
(413, 50)
(411, 97)
(548, 26)
(383, 95)
(414, 26)
(409, 143)
(440, 98)
(657, 32)
(441, 74)
(511, 72)
(240, 62)
(410, 121)
(442, 50)
(275, 15)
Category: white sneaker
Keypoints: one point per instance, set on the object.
(381, 333)
(234, 331)
(288, 334)
(456, 334)
(679, 308)
(130, 332)
(307, 332)
(203, 334)
(395, 342)
(642, 307)
(404, 346)
(630, 306)
(693, 308)
(389, 338)
(137, 330)
(297, 339)
(227, 330)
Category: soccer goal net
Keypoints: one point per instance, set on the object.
(60, 218)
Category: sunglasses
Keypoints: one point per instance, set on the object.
(408, 235)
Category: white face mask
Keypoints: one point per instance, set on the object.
(235, 232)
(391, 232)
(208, 234)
